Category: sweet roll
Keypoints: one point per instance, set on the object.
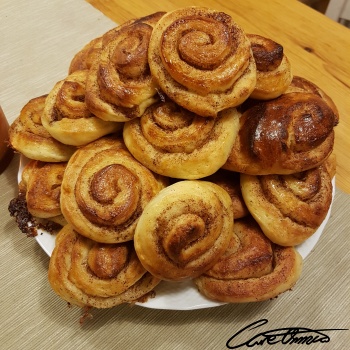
(175, 142)
(289, 134)
(230, 182)
(83, 59)
(66, 116)
(41, 183)
(184, 229)
(300, 84)
(252, 269)
(90, 274)
(105, 189)
(29, 137)
(289, 208)
(274, 73)
(119, 84)
(202, 60)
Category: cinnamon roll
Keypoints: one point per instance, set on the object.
(288, 208)
(87, 273)
(83, 59)
(104, 191)
(66, 116)
(119, 84)
(184, 229)
(29, 137)
(289, 134)
(41, 183)
(274, 73)
(230, 182)
(255, 271)
(175, 142)
(202, 60)
(300, 84)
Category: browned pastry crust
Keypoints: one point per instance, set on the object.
(252, 269)
(90, 274)
(175, 142)
(288, 208)
(119, 84)
(300, 84)
(274, 73)
(184, 230)
(105, 190)
(230, 182)
(66, 116)
(41, 183)
(202, 60)
(289, 134)
(331, 165)
(28, 136)
(83, 59)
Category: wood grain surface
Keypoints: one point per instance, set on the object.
(317, 47)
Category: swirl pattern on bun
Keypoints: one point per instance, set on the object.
(105, 190)
(28, 136)
(119, 85)
(66, 116)
(184, 229)
(91, 274)
(286, 135)
(289, 208)
(252, 269)
(202, 60)
(175, 142)
(274, 73)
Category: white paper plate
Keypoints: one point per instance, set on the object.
(178, 295)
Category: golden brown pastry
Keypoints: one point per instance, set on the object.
(300, 84)
(105, 190)
(230, 182)
(274, 73)
(175, 142)
(90, 274)
(289, 134)
(184, 229)
(119, 84)
(83, 59)
(202, 60)
(255, 271)
(288, 208)
(331, 164)
(41, 183)
(66, 116)
(28, 136)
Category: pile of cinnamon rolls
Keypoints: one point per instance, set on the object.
(177, 148)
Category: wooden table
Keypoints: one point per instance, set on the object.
(317, 47)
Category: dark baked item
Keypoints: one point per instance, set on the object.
(286, 135)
